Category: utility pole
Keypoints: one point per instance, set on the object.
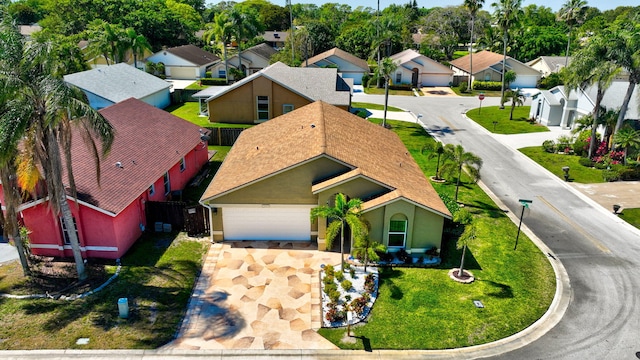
(293, 52)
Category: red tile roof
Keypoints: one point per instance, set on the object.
(148, 141)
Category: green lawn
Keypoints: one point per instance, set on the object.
(371, 106)
(424, 309)
(190, 112)
(554, 163)
(486, 117)
(632, 216)
(377, 91)
(487, 93)
(157, 276)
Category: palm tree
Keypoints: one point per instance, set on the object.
(507, 14)
(627, 138)
(437, 149)
(572, 13)
(591, 67)
(366, 248)
(624, 50)
(457, 159)
(517, 99)
(105, 39)
(342, 212)
(10, 220)
(473, 6)
(220, 30)
(41, 119)
(135, 42)
(463, 217)
(385, 70)
(246, 26)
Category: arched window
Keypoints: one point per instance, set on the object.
(397, 231)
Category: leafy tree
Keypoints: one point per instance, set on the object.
(245, 26)
(367, 249)
(469, 235)
(385, 70)
(473, 6)
(437, 150)
(624, 50)
(136, 43)
(516, 98)
(40, 118)
(627, 138)
(445, 28)
(220, 30)
(343, 212)
(507, 14)
(572, 13)
(105, 39)
(591, 67)
(458, 159)
(357, 39)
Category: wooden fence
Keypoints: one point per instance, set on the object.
(223, 136)
(194, 219)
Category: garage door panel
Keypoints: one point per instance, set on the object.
(266, 223)
(436, 80)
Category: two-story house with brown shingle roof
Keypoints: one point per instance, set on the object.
(277, 171)
(153, 154)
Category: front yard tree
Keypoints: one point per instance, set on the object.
(516, 98)
(473, 6)
(220, 30)
(385, 70)
(572, 13)
(367, 249)
(343, 212)
(507, 14)
(246, 26)
(457, 160)
(627, 138)
(463, 217)
(437, 150)
(40, 118)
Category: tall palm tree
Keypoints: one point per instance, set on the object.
(437, 150)
(473, 6)
(385, 70)
(457, 160)
(591, 67)
(135, 42)
(343, 212)
(516, 97)
(220, 30)
(105, 39)
(246, 26)
(41, 119)
(366, 248)
(624, 50)
(572, 13)
(507, 14)
(463, 217)
(627, 138)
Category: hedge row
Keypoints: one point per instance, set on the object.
(214, 81)
(487, 85)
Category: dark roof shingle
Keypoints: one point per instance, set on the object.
(193, 54)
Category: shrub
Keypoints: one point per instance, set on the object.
(370, 283)
(433, 251)
(403, 256)
(630, 174)
(554, 79)
(330, 287)
(207, 74)
(400, 87)
(213, 81)
(327, 280)
(610, 175)
(463, 86)
(352, 272)
(385, 257)
(549, 146)
(487, 85)
(335, 315)
(586, 162)
(365, 79)
(564, 142)
(358, 305)
(329, 270)
(339, 276)
(334, 295)
(346, 285)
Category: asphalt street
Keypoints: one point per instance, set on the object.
(600, 252)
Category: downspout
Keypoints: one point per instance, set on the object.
(210, 219)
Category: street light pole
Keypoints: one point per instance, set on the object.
(525, 204)
(293, 51)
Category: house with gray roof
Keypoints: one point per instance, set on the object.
(559, 107)
(274, 91)
(112, 84)
(349, 65)
(418, 70)
(549, 64)
(184, 62)
(253, 60)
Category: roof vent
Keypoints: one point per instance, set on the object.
(313, 126)
(276, 35)
(119, 165)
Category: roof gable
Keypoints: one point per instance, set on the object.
(117, 82)
(362, 64)
(320, 129)
(148, 141)
(412, 56)
(193, 54)
(482, 60)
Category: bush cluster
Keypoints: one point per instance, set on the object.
(487, 85)
(335, 315)
(213, 81)
(549, 146)
(370, 283)
(358, 305)
(346, 285)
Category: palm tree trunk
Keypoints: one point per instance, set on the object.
(342, 246)
(471, 55)
(461, 270)
(226, 62)
(594, 126)
(566, 57)
(60, 192)
(458, 181)
(625, 105)
(386, 101)
(438, 167)
(12, 201)
(504, 65)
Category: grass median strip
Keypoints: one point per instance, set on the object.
(497, 121)
(424, 309)
(555, 162)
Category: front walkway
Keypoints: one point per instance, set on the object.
(257, 295)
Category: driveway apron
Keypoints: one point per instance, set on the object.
(257, 295)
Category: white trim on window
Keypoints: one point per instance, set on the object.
(183, 164)
(262, 107)
(65, 234)
(167, 183)
(395, 234)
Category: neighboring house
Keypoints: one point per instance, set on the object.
(418, 70)
(349, 66)
(277, 171)
(548, 64)
(554, 107)
(185, 62)
(153, 154)
(273, 91)
(487, 66)
(254, 59)
(108, 85)
(276, 39)
(28, 30)
(98, 61)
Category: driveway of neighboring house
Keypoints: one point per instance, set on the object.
(257, 295)
(437, 91)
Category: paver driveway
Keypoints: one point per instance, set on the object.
(257, 295)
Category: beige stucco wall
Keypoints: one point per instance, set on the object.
(427, 230)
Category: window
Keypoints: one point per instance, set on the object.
(183, 164)
(398, 78)
(263, 108)
(222, 73)
(167, 183)
(65, 233)
(286, 108)
(487, 77)
(152, 189)
(397, 233)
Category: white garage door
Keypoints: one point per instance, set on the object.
(266, 223)
(186, 73)
(524, 81)
(436, 80)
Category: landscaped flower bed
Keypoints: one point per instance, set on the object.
(352, 290)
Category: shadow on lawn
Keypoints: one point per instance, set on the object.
(451, 256)
(492, 210)
(386, 276)
(502, 291)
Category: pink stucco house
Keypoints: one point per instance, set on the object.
(153, 154)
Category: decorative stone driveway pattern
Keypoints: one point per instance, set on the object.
(257, 295)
